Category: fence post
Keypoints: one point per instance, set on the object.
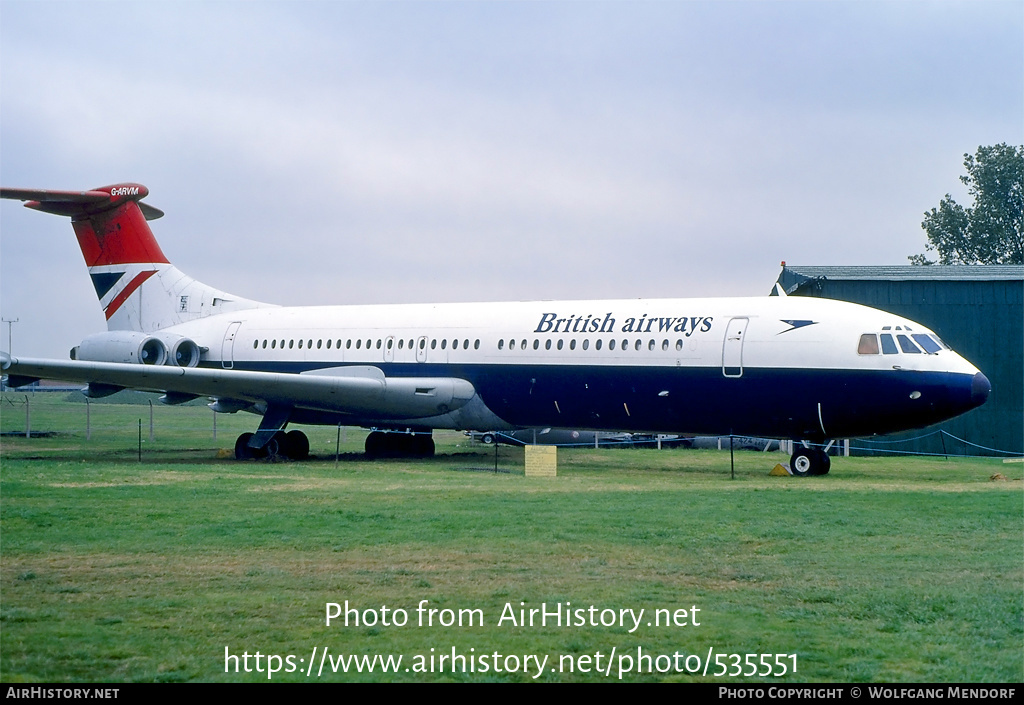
(28, 419)
(88, 420)
(150, 420)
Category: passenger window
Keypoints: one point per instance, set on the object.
(926, 342)
(320, 343)
(572, 344)
(638, 344)
(378, 343)
(465, 344)
(650, 345)
(536, 344)
(559, 343)
(359, 344)
(597, 344)
(586, 344)
(348, 344)
(444, 343)
(264, 344)
(888, 344)
(664, 344)
(868, 344)
(433, 344)
(291, 344)
(401, 343)
(501, 345)
(611, 344)
(906, 345)
(476, 344)
(273, 344)
(679, 344)
(547, 344)
(423, 344)
(300, 345)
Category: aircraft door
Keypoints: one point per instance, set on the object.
(227, 348)
(421, 349)
(732, 347)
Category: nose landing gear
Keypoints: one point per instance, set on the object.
(809, 461)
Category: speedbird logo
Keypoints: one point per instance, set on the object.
(793, 325)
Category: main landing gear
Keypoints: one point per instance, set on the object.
(809, 461)
(293, 445)
(382, 444)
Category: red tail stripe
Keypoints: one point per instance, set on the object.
(118, 236)
(126, 292)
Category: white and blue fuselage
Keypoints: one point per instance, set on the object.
(789, 367)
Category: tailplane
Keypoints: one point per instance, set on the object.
(138, 289)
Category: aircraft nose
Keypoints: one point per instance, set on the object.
(980, 387)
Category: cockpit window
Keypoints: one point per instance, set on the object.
(906, 345)
(888, 345)
(926, 342)
(868, 344)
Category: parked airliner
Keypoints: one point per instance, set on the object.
(782, 367)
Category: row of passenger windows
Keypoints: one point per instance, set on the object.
(612, 344)
(455, 344)
(921, 342)
(359, 344)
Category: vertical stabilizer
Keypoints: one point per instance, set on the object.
(138, 289)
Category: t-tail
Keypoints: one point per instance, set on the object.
(138, 289)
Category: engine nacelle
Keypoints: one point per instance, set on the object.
(181, 352)
(122, 346)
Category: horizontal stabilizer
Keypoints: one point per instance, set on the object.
(81, 203)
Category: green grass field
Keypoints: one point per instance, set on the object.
(113, 569)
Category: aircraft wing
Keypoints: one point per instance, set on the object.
(362, 391)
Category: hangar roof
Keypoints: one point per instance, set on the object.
(793, 277)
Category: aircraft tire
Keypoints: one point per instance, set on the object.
(296, 445)
(423, 446)
(824, 463)
(803, 461)
(275, 446)
(376, 444)
(242, 449)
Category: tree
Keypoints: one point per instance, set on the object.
(992, 232)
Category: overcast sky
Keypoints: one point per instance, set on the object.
(330, 152)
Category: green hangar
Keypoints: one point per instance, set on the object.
(978, 310)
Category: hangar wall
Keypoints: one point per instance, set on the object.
(977, 310)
